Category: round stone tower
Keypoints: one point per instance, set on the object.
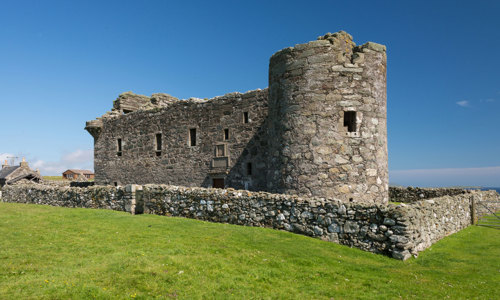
(327, 114)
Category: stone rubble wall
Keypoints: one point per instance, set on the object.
(103, 197)
(486, 203)
(399, 231)
(425, 222)
(82, 184)
(412, 194)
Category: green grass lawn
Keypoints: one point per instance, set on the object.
(54, 178)
(62, 253)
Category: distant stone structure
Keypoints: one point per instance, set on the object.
(13, 174)
(318, 130)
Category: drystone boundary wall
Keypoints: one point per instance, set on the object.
(412, 194)
(427, 221)
(394, 230)
(487, 202)
(104, 197)
(357, 225)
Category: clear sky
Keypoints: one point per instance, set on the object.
(64, 62)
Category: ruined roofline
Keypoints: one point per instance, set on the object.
(336, 39)
(155, 103)
(223, 97)
(122, 105)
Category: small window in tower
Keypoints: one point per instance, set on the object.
(350, 120)
(126, 111)
(192, 137)
(119, 147)
(158, 144)
(245, 117)
(226, 134)
(249, 168)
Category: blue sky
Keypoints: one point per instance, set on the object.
(64, 62)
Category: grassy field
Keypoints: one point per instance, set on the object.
(54, 178)
(60, 253)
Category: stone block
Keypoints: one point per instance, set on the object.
(351, 227)
(401, 255)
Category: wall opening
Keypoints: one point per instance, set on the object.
(350, 120)
(245, 117)
(226, 134)
(158, 144)
(119, 147)
(220, 150)
(218, 183)
(249, 168)
(126, 111)
(192, 137)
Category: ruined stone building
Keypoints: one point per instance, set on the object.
(319, 129)
(12, 174)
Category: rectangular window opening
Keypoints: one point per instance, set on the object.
(350, 120)
(119, 147)
(245, 117)
(226, 134)
(220, 150)
(249, 168)
(158, 144)
(192, 137)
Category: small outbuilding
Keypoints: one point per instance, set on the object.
(12, 174)
(74, 174)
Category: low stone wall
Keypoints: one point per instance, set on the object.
(425, 222)
(55, 183)
(104, 197)
(412, 194)
(487, 202)
(395, 230)
(364, 226)
(81, 184)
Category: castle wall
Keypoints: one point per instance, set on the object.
(327, 112)
(178, 162)
(319, 130)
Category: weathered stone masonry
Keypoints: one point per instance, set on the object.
(224, 145)
(412, 194)
(314, 89)
(319, 130)
(395, 230)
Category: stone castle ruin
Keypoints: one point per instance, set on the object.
(318, 130)
(306, 155)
